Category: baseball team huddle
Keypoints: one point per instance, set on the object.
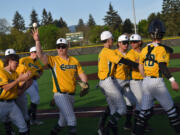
(131, 81)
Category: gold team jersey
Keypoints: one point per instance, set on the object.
(33, 66)
(5, 78)
(106, 61)
(121, 70)
(151, 68)
(64, 73)
(1, 64)
(134, 56)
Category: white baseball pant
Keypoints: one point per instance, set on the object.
(65, 103)
(22, 103)
(10, 111)
(113, 95)
(33, 92)
(155, 88)
(137, 90)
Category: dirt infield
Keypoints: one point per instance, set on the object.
(96, 111)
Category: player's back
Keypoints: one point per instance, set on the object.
(151, 60)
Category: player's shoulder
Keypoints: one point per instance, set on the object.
(74, 59)
(26, 58)
(167, 48)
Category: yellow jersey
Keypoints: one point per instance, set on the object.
(134, 56)
(106, 61)
(1, 64)
(32, 65)
(64, 73)
(158, 54)
(5, 78)
(121, 70)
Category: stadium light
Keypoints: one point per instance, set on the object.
(134, 16)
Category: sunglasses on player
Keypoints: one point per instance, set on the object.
(135, 41)
(61, 46)
(125, 42)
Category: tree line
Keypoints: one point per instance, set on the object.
(19, 37)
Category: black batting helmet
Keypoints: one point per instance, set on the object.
(156, 29)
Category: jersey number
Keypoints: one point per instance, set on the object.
(151, 62)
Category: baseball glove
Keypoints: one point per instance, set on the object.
(84, 88)
(52, 103)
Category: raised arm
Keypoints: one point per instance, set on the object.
(40, 53)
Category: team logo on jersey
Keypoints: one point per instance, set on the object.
(64, 67)
(32, 65)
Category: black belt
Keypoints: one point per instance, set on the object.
(153, 77)
(67, 93)
(8, 100)
(137, 79)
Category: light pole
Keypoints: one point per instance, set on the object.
(134, 16)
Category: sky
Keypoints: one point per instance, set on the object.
(72, 10)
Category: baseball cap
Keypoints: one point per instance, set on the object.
(135, 37)
(10, 51)
(32, 49)
(122, 38)
(61, 41)
(106, 35)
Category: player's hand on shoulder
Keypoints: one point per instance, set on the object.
(175, 86)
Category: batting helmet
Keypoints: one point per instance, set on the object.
(156, 29)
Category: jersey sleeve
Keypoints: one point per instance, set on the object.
(162, 55)
(112, 56)
(79, 68)
(51, 60)
(3, 79)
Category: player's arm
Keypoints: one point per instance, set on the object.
(141, 69)
(83, 77)
(165, 71)
(25, 86)
(113, 57)
(39, 51)
(12, 84)
(128, 62)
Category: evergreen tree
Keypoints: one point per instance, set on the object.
(34, 18)
(18, 22)
(127, 26)
(45, 17)
(50, 19)
(91, 21)
(171, 13)
(112, 19)
(60, 23)
(80, 26)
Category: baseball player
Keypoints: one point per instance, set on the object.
(153, 63)
(64, 69)
(106, 66)
(32, 64)
(122, 77)
(9, 91)
(21, 100)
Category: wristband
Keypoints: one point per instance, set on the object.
(172, 79)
